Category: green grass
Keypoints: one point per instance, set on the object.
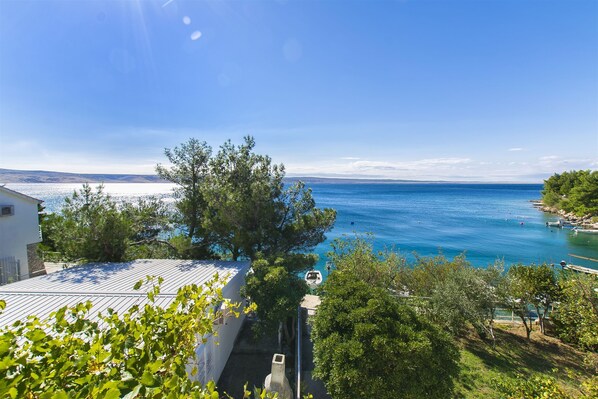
(483, 366)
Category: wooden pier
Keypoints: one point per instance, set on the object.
(581, 269)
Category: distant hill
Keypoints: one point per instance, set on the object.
(42, 176)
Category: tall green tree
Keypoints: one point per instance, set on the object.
(237, 205)
(369, 345)
(188, 170)
(251, 212)
(241, 191)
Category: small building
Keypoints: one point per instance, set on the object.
(110, 285)
(19, 235)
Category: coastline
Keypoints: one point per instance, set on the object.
(569, 217)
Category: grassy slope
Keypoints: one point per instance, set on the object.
(482, 365)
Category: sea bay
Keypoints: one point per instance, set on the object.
(488, 222)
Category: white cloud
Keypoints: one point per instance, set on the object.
(422, 164)
(195, 35)
(516, 149)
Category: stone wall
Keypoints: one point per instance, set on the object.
(36, 264)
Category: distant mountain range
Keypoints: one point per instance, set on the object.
(43, 176)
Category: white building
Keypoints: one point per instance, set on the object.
(19, 235)
(110, 285)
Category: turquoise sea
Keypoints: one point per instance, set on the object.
(488, 222)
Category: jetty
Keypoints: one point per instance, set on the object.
(579, 269)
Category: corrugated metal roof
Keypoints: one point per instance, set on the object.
(108, 285)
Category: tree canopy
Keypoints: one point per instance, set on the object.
(237, 203)
(369, 345)
(576, 315)
(575, 191)
(91, 226)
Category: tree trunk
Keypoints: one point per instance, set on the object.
(528, 328)
(289, 337)
(540, 319)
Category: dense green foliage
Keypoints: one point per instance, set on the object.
(545, 387)
(370, 340)
(530, 285)
(189, 169)
(576, 315)
(451, 293)
(143, 353)
(575, 191)
(369, 345)
(235, 203)
(277, 291)
(91, 226)
(454, 296)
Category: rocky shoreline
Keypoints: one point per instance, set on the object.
(581, 221)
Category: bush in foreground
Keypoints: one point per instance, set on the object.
(143, 353)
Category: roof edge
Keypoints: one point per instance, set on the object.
(19, 195)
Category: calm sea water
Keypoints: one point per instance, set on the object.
(488, 222)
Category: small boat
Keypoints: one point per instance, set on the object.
(585, 231)
(313, 278)
(559, 223)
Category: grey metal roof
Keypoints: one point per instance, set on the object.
(108, 285)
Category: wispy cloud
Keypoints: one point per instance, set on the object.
(422, 164)
(516, 149)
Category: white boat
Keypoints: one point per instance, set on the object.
(586, 231)
(559, 223)
(313, 278)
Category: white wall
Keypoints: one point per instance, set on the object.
(213, 355)
(18, 230)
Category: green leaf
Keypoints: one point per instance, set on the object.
(133, 393)
(112, 393)
(148, 379)
(60, 395)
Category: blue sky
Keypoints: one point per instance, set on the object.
(458, 90)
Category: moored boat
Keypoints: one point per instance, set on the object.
(585, 231)
(559, 223)
(313, 278)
